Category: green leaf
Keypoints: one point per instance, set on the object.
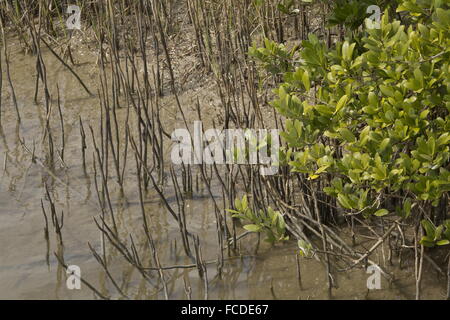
(429, 228)
(306, 81)
(426, 243)
(443, 139)
(244, 202)
(407, 208)
(341, 103)
(373, 99)
(344, 201)
(252, 228)
(347, 135)
(323, 109)
(438, 233)
(381, 213)
(419, 76)
(347, 50)
(384, 144)
(387, 91)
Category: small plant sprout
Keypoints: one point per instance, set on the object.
(271, 222)
(306, 249)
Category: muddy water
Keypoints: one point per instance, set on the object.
(28, 268)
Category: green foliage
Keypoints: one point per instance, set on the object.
(306, 249)
(286, 6)
(350, 13)
(378, 121)
(435, 235)
(275, 57)
(271, 222)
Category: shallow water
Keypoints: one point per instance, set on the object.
(28, 268)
